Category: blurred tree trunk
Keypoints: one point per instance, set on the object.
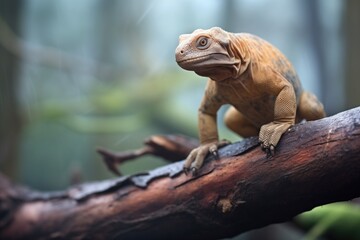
(230, 15)
(312, 11)
(117, 21)
(352, 52)
(10, 119)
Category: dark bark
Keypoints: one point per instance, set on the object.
(316, 163)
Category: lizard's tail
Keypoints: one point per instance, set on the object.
(310, 108)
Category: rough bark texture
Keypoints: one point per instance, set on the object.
(316, 163)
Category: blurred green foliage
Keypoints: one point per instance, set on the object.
(336, 221)
(62, 133)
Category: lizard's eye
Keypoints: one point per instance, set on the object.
(202, 43)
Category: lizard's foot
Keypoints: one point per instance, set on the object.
(270, 135)
(196, 157)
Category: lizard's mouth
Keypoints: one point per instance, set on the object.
(193, 60)
(205, 61)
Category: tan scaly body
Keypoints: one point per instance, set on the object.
(251, 75)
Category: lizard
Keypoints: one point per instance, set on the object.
(251, 75)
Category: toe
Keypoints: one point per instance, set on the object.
(272, 150)
(190, 158)
(214, 151)
(194, 171)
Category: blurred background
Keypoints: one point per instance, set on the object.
(75, 75)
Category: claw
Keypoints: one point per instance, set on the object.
(272, 150)
(186, 170)
(215, 154)
(267, 151)
(194, 171)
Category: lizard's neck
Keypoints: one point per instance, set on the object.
(239, 50)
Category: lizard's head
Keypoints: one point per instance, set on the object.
(208, 53)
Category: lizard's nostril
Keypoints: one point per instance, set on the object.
(181, 51)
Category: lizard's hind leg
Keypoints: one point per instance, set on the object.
(236, 122)
(310, 108)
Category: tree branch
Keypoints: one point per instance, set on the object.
(173, 148)
(316, 163)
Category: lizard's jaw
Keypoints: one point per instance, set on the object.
(216, 66)
(191, 63)
(204, 62)
(217, 73)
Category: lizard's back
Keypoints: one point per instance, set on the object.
(264, 53)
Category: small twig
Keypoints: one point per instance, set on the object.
(111, 159)
(170, 147)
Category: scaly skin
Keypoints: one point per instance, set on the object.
(251, 75)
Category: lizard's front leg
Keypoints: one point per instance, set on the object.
(284, 118)
(209, 141)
